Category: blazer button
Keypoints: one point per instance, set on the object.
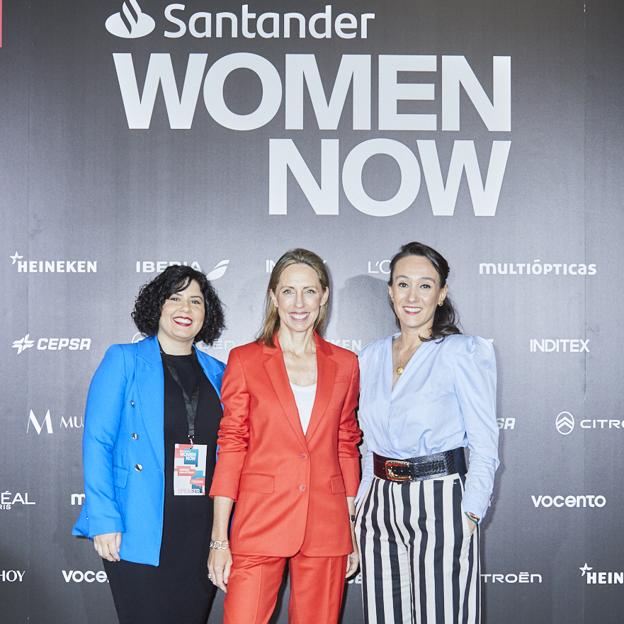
(134, 436)
(138, 467)
(303, 456)
(132, 403)
(302, 488)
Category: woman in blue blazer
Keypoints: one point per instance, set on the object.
(152, 416)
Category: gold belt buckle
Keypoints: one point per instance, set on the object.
(396, 463)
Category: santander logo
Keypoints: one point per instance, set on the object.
(130, 22)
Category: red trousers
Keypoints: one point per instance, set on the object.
(316, 589)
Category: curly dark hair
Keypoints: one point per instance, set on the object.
(446, 319)
(149, 302)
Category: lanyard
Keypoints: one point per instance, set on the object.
(190, 403)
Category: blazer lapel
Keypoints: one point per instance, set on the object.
(276, 370)
(150, 382)
(325, 374)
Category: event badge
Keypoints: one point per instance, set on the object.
(189, 470)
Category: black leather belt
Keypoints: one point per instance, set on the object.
(420, 468)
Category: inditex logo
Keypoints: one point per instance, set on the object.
(601, 578)
(564, 423)
(84, 576)
(52, 266)
(577, 501)
(12, 576)
(130, 22)
(512, 578)
(558, 345)
(51, 344)
(8, 500)
(38, 424)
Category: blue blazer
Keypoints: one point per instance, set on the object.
(124, 448)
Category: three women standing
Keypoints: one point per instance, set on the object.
(149, 444)
(288, 457)
(426, 394)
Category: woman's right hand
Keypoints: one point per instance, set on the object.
(107, 545)
(219, 566)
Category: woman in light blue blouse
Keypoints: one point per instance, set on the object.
(426, 394)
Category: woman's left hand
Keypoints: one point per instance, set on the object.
(469, 525)
(353, 563)
(353, 560)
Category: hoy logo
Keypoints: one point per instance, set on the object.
(564, 423)
(130, 22)
(12, 576)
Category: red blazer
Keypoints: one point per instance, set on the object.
(290, 489)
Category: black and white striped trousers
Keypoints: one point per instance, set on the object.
(419, 563)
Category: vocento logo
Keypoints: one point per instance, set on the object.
(571, 500)
(84, 576)
(130, 22)
(564, 423)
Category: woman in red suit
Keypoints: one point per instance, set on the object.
(288, 458)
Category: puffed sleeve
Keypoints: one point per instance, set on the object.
(102, 418)
(233, 438)
(349, 435)
(475, 385)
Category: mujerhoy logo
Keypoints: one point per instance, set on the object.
(130, 22)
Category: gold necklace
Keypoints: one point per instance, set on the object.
(400, 369)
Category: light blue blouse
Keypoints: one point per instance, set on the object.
(446, 398)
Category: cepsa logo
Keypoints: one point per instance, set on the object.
(8, 500)
(51, 344)
(84, 576)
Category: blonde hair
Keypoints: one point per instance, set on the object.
(271, 321)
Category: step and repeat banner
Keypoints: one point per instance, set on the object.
(140, 133)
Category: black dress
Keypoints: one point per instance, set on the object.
(177, 591)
